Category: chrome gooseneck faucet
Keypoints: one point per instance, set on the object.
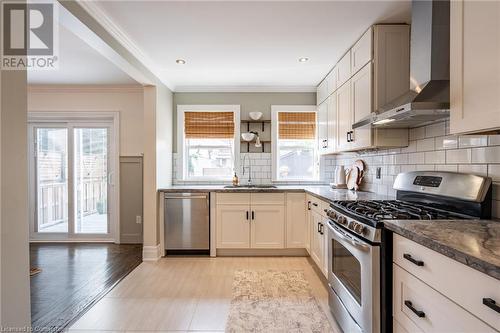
(249, 182)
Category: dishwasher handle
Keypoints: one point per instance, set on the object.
(191, 197)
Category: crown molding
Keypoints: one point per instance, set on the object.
(181, 89)
(56, 88)
(93, 9)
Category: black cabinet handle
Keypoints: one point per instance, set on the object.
(318, 228)
(350, 136)
(309, 205)
(347, 137)
(315, 204)
(321, 226)
(409, 305)
(247, 214)
(491, 304)
(414, 261)
(253, 215)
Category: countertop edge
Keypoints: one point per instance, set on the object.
(450, 252)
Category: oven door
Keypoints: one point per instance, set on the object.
(354, 276)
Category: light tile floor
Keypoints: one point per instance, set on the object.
(184, 294)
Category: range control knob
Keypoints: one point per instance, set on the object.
(342, 220)
(332, 214)
(359, 228)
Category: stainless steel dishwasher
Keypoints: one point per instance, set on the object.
(187, 223)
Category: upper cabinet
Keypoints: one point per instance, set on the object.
(370, 74)
(322, 92)
(474, 66)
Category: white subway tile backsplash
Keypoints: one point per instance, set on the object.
(425, 144)
(417, 133)
(401, 159)
(475, 169)
(446, 142)
(494, 140)
(447, 167)
(434, 130)
(435, 157)
(458, 156)
(494, 172)
(412, 147)
(416, 158)
(466, 141)
(486, 155)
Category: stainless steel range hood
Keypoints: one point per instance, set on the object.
(428, 98)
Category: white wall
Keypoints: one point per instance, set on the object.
(14, 247)
(127, 100)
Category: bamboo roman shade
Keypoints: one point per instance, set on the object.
(209, 125)
(297, 125)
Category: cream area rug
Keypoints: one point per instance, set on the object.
(274, 301)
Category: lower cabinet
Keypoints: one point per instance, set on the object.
(297, 232)
(319, 248)
(267, 227)
(233, 226)
(247, 221)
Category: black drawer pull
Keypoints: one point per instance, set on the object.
(321, 226)
(315, 204)
(491, 304)
(409, 258)
(253, 215)
(318, 228)
(309, 205)
(409, 305)
(247, 214)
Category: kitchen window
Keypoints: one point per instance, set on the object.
(295, 156)
(208, 142)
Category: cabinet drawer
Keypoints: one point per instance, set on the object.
(418, 307)
(233, 198)
(267, 198)
(463, 285)
(318, 205)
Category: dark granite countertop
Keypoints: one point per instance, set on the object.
(475, 243)
(323, 192)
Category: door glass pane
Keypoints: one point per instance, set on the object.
(347, 269)
(91, 180)
(52, 179)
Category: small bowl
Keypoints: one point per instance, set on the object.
(247, 136)
(255, 115)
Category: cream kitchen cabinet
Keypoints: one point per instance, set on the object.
(318, 253)
(297, 225)
(322, 92)
(322, 121)
(474, 66)
(250, 220)
(267, 227)
(427, 300)
(372, 73)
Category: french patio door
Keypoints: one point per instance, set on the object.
(71, 181)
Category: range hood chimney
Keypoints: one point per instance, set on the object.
(428, 99)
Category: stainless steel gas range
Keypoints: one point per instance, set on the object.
(360, 250)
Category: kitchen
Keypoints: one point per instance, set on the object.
(300, 180)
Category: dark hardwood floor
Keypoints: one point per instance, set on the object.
(74, 276)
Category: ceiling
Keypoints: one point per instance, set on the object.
(241, 44)
(79, 64)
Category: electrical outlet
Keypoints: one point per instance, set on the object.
(138, 219)
(378, 173)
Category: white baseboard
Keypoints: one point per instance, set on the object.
(151, 253)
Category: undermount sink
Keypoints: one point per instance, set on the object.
(250, 186)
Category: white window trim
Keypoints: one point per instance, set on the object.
(274, 138)
(181, 161)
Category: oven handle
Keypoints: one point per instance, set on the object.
(353, 242)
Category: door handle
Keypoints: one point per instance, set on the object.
(309, 205)
(247, 215)
(315, 204)
(489, 302)
(350, 136)
(409, 305)
(412, 260)
(321, 226)
(253, 215)
(347, 137)
(318, 228)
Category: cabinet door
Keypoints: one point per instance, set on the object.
(343, 116)
(344, 69)
(317, 241)
(233, 227)
(267, 227)
(323, 127)
(332, 80)
(332, 123)
(361, 52)
(322, 92)
(474, 66)
(296, 220)
(361, 95)
(325, 240)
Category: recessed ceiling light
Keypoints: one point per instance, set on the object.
(303, 59)
(180, 61)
